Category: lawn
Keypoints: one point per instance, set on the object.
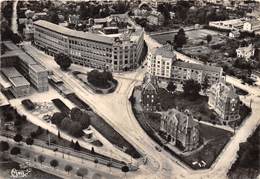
(112, 135)
(198, 107)
(209, 152)
(194, 36)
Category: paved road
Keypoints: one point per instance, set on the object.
(63, 159)
(116, 110)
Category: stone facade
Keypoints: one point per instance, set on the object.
(225, 102)
(181, 129)
(162, 63)
(150, 98)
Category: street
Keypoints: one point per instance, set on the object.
(116, 110)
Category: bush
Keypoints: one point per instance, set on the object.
(100, 79)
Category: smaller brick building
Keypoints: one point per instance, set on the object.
(181, 129)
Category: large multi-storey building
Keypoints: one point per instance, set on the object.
(115, 53)
(163, 64)
(181, 129)
(26, 65)
(225, 102)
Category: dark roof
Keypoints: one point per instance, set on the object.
(197, 66)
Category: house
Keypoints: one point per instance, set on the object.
(181, 129)
(252, 26)
(246, 52)
(155, 18)
(225, 102)
(234, 24)
(149, 96)
(234, 34)
(73, 19)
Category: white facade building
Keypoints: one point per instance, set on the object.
(92, 50)
(245, 52)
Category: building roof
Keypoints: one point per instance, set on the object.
(197, 66)
(38, 68)
(16, 51)
(164, 51)
(150, 83)
(15, 77)
(184, 119)
(74, 33)
(225, 90)
(100, 20)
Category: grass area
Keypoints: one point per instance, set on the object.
(108, 87)
(247, 164)
(199, 107)
(214, 139)
(112, 135)
(104, 128)
(209, 152)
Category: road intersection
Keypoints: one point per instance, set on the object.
(115, 108)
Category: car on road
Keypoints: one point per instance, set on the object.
(158, 148)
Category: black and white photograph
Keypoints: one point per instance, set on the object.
(130, 89)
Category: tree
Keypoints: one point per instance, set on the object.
(191, 89)
(41, 159)
(4, 146)
(18, 138)
(63, 61)
(100, 79)
(68, 168)
(125, 169)
(76, 114)
(59, 135)
(75, 129)
(77, 146)
(57, 118)
(29, 141)
(96, 162)
(15, 151)
(92, 150)
(162, 8)
(65, 124)
(109, 164)
(171, 87)
(209, 38)
(53, 17)
(54, 163)
(84, 120)
(82, 172)
(16, 38)
(205, 83)
(72, 144)
(180, 39)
